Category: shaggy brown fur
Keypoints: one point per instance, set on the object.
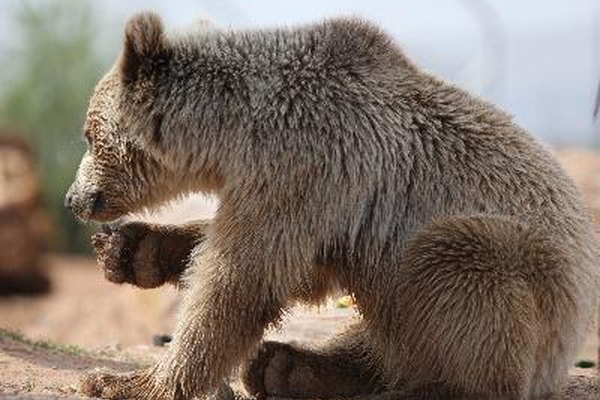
(340, 164)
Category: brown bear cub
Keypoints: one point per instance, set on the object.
(339, 164)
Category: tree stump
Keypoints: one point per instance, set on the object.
(24, 226)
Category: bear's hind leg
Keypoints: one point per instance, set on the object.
(342, 367)
(466, 308)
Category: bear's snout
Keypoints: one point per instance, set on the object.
(84, 204)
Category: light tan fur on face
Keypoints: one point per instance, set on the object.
(127, 177)
(339, 163)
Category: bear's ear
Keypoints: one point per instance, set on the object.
(144, 41)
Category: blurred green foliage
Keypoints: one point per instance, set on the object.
(48, 78)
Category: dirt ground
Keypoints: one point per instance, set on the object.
(113, 325)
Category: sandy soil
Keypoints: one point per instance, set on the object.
(26, 369)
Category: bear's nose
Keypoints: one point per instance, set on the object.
(69, 200)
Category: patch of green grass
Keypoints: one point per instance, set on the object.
(16, 336)
(585, 364)
(68, 349)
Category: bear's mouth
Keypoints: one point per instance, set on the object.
(110, 227)
(100, 213)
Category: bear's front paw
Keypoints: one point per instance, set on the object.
(133, 385)
(109, 248)
(141, 385)
(129, 254)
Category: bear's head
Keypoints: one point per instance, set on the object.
(118, 174)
